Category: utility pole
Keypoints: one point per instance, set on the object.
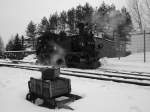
(119, 47)
(118, 44)
(144, 48)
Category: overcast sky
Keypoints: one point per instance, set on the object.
(16, 14)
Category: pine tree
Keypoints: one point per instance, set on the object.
(103, 9)
(79, 13)
(53, 20)
(63, 20)
(31, 32)
(71, 14)
(87, 12)
(17, 44)
(101, 17)
(125, 28)
(10, 44)
(44, 26)
(22, 42)
(1, 46)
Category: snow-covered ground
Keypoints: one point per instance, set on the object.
(98, 96)
(30, 58)
(134, 62)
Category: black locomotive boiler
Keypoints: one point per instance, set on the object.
(84, 52)
(80, 50)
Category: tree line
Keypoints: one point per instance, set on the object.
(105, 19)
(15, 43)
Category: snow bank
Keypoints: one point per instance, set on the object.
(5, 60)
(134, 62)
(98, 96)
(30, 58)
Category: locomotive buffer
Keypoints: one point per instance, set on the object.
(50, 88)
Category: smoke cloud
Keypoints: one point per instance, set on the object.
(116, 19)
(58, 56)
(108, 22)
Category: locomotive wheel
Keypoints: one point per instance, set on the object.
(72, 60)
(69, 60)
(30, 97)
(52, 103)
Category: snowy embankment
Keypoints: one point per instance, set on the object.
(134, 62)
(98, 96)
(31, 58)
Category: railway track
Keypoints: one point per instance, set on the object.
(142, 80)
(118, 75)
(147, 74)
(121, 78)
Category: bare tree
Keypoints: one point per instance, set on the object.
(148, 4)
(136, 12)
(146, 12)
(140, 12)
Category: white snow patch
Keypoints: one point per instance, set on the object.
(30, 58)
(134, 62)
(98, 96)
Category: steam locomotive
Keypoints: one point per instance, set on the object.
(81, 50)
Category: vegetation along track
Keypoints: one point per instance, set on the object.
(143, 80)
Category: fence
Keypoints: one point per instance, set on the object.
(139, 43)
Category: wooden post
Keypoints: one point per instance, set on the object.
(144, 48)
(117, 44)
(119, 48)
